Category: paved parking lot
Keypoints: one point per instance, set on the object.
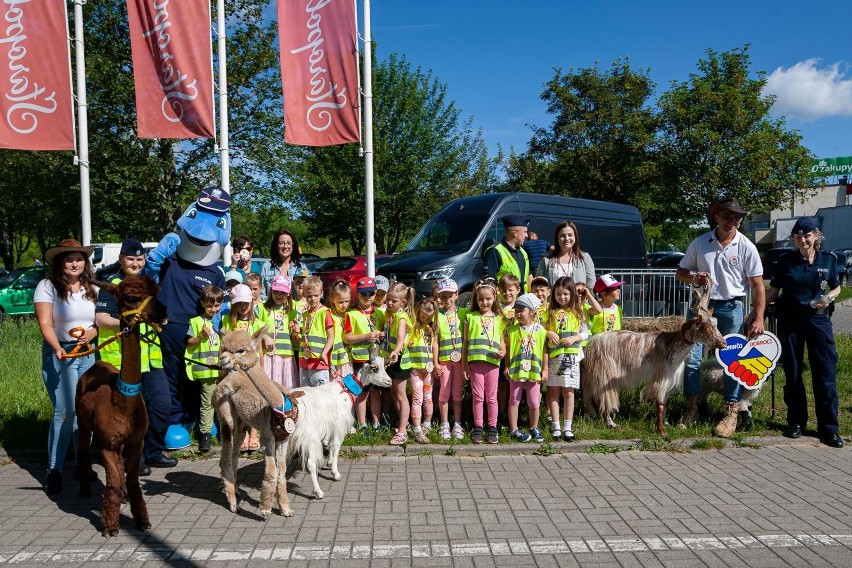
(780, 505)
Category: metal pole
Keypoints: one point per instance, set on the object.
(368, 140)
(82, 157)
(223, 110)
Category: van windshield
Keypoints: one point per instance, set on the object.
(450, 231)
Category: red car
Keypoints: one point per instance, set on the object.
(345, 267)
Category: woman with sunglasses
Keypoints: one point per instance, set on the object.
(241, 258)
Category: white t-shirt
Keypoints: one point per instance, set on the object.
(730, 268)
(76, 312)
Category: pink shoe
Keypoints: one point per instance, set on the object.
(399, 439)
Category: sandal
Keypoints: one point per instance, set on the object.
(254, 443)
(399, 439)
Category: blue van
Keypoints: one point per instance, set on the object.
(452, 244)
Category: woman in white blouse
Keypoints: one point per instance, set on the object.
(567, 259)
(65, 308)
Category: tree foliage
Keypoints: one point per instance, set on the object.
(425, 156)
(707, 138)
(601, 142)
(718, 140)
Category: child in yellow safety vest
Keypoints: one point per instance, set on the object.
(566, 330)
(422, 355)
(314, 330)
(279, 362)
(202, 349)
(398, 316)
(362, 327)
(483, 348)
(450, 320)
(609, 290)
(241, 318)
(526, 365)
(340, 297)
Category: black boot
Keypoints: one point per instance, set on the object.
(204, 442)
(745, 420)
(54, 481)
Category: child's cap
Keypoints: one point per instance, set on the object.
(382, 283)
(365, 284)
(447, 285)
(539, 281)
(527, 300)
(281, 284)
(302, 273)
(606, 282)
(240, 293)
(236, 274)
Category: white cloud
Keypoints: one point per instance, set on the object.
(807, 92)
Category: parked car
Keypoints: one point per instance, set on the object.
(770, 260)
(17, 290)
(3, 272)
(346, 267)
(843, 261)
(657, 255)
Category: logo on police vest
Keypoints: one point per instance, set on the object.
(749, 361)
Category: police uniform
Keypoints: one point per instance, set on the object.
(798, 325)
(503, 258)
(155, 386)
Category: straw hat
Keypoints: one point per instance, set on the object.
(68, 245)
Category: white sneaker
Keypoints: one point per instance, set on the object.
(458, 432)
(427, 427)
(445, 432)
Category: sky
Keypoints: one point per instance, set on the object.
(495, 55)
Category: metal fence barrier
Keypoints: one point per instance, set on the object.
(654, 292)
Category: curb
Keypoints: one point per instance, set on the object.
(504, 449)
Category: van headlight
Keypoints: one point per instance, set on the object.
(438, 274)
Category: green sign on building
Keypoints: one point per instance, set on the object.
(832, 166)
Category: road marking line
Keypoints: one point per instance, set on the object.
(425, 550)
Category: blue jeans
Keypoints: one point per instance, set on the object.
(729, 318)
(60, 381)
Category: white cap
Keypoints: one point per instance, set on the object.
(527, 300)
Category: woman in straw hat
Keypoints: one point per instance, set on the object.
(65, 308)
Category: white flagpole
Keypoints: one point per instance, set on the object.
(82, 157)
(368, 140)
(223, 110)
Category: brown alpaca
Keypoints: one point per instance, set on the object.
(118, 416)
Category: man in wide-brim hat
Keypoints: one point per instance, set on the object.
(726, 257)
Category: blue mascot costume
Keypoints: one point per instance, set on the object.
(184, 263)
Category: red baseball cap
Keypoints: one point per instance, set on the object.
(366, 284)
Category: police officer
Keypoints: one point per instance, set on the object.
(155, 389)
(805, 283)
(508, 256)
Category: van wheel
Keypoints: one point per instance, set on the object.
(463, 300)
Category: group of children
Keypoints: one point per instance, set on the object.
(506, 343)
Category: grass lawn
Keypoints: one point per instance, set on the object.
(25, 408)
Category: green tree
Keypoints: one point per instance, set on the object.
(718, 140)
(600, 144)
(425, 156)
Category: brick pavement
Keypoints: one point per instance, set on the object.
(788, 504)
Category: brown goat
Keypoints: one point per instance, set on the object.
(116, 413)
(617, 360)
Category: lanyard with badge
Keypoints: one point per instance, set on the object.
(453, 323)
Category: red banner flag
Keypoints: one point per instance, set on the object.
(319, 69)
(36, 104)
(172, 68)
